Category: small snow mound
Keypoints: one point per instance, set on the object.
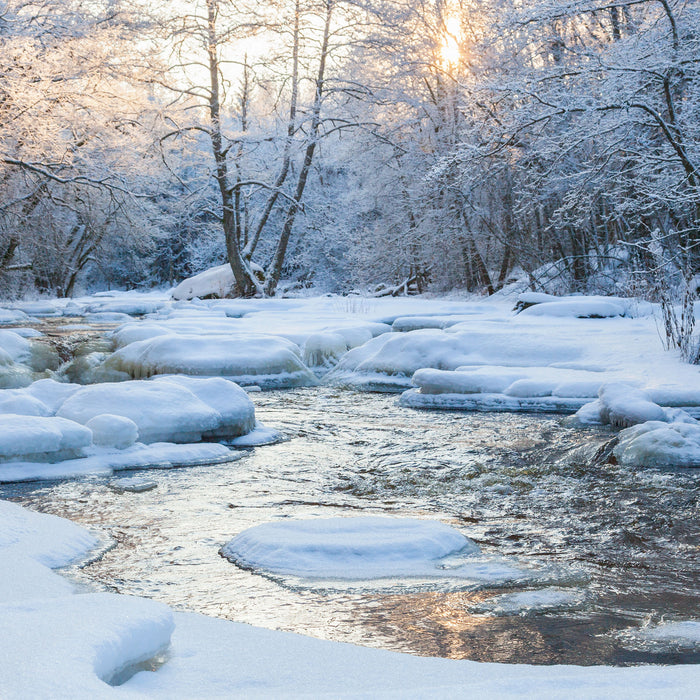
(259, 436)
(621, 406)
(348, 548)
(132, 484)
(109, 430)
(576, 308)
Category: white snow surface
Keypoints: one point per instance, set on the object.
(59, 644)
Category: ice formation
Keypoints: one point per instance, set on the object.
(39, 438)
(359, 548)
(265, 360)
(165, 410)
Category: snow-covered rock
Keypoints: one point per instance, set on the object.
(389, 361)
(215, 282)
(621, 405)
(104, 461)
(660, 444)
(265, 360)
(109, 430)
(349, 548)
(39, 438)
(236, 410)
(19, 402)
(166, 410)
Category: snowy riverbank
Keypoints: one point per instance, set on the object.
(59, 642)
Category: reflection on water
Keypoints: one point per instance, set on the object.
(507, 481)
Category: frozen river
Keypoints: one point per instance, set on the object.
(622, 542)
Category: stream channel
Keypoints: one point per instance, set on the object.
(524, 487)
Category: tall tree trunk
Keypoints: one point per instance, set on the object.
(278, 260)
(245, 284)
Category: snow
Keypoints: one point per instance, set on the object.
(216, 281)
(659, 444)
(362, 548)
(235, 409)
(17, 347)
(59, 643)
(167, 410)
(622, 405)
(8, 316)
(577, 308)
(260, 435)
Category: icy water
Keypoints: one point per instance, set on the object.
(623, 542)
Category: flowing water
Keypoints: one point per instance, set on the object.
(524, 487)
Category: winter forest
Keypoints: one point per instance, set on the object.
(349, 348)
(349, 145)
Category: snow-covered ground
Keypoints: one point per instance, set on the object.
(58, 642)
(601, 358)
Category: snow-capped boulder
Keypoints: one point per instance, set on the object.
(168, 410)
(236, 410)
(41, 439)
(162, 411)
(20, 403)
(217, 282)
(109, 430)
(621, 405)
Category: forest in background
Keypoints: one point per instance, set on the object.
(372, 145)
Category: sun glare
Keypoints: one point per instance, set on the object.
(450, 46)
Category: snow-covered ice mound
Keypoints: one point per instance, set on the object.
(388, 362)
(41, 439)
(362, 548)
(496, 388)
(659, 444)
(578, 306)
(104, 461)
(265, 360)
(8, 316)
(165, 410)
(621, 406)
